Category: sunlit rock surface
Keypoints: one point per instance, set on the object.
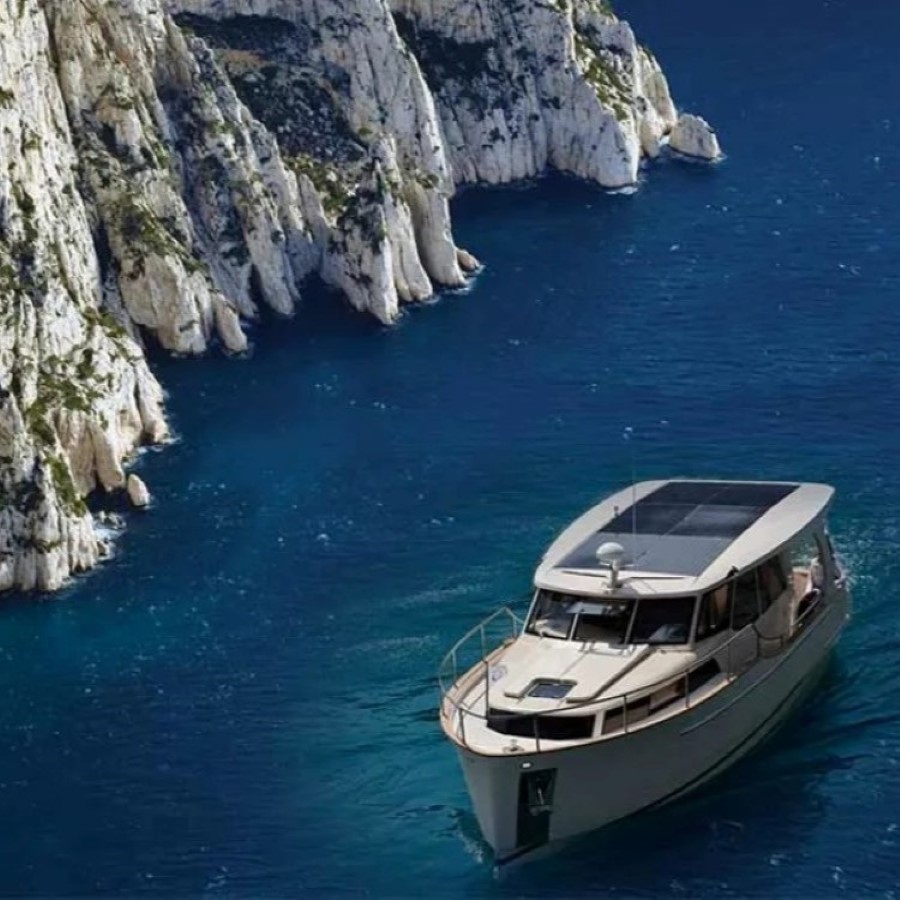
(138, 493)
(694, 137)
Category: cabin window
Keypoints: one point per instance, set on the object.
(832, 557)
(755, 591)
(642, 708)
(616, 719)
(745, 608)
(603, 620)
(813, 547)
(772, 582)
(552, 728)
(703, 674)
(814, 563)
(715, 612)
(743, 600)
(553, 614)
(662, 620)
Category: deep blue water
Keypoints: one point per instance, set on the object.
(243, 701)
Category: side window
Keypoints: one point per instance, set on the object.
(715, 612)
(813, 561)
(664, 620)
(553, 615)
(805, 553)
(772, 582)
(745, 608)
(835, 565)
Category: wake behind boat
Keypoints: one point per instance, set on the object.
(673, 627)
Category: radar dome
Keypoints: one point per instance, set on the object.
(611, 554)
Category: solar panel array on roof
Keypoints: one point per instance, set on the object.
(682, 526)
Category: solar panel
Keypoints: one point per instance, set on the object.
(721, 493)
(682, 526)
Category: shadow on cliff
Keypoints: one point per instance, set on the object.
(323, 313)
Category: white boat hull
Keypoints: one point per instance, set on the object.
(591, 785)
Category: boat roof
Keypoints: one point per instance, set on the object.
(681, 536)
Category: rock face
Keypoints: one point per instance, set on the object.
(693, 136)
(137, 491)
(523, 86)
(170, 168)
(75, 392)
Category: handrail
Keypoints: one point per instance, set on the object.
(648, 688)
(478, 630)
(605, 704)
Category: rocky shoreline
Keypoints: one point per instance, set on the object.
(171, 170)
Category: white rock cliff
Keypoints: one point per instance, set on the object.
(167, 169)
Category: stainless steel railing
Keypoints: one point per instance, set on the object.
(459, 694)
(504, 625)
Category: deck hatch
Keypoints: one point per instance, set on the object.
(681, 527)
(549, 689)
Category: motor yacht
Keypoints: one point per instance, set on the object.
(673, 627)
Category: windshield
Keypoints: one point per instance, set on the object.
(571, 617)
(553, 614)
(663, 620)
(657, 620)
(604, 620)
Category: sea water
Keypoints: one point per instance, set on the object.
(243, 702)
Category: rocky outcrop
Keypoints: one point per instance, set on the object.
(169, 170)
(138, 493)
(693, 136)
(524, 86)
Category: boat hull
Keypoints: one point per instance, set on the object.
(525, 800)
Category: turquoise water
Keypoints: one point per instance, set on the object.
(243, 702)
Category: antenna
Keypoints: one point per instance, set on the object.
(627, 435)
(613, 555)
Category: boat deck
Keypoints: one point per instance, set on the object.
(466, 709)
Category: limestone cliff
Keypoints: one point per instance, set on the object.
(167, 169)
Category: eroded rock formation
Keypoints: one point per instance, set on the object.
(693, 136)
